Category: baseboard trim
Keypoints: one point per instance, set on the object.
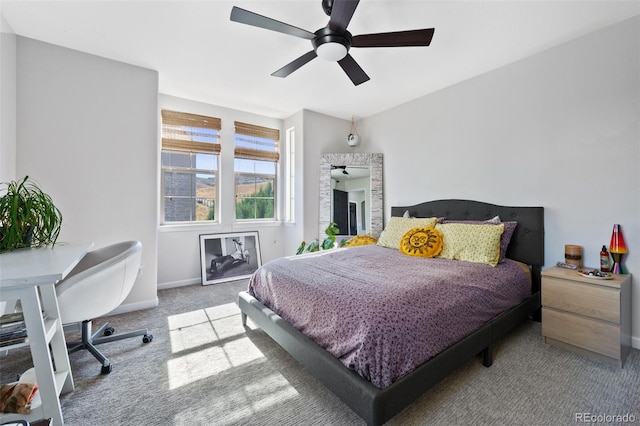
(635, 342)
(181, 283)
(131, 307)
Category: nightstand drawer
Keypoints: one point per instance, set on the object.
(584, 299)
(593, 335)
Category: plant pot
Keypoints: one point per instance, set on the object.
(28, 236)
(353, 139)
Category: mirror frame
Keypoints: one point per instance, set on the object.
(374, 161)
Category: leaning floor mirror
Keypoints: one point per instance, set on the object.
(351, 193)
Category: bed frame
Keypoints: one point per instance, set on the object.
(375, 405)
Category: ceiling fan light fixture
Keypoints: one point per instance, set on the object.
(331, 45)
(332, 42)
(332, 51)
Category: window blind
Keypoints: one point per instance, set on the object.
(256, 142)
(182, 131)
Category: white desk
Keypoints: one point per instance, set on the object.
(22, 273)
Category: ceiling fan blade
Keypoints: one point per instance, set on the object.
(250, 18)
(353, 70)
(394, 39)
(341, 13)
(294, 65)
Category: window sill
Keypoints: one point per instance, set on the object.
(218, 227)
(190, 227)
(256, 223)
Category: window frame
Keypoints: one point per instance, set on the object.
(290, 176)
(275, 198)
(254, 153)
(184, 143)
(193, 171)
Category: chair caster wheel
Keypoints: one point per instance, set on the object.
(106, 369)
(147, 338)
(108, 331)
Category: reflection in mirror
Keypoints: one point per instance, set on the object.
(351, 193)
(350, 204)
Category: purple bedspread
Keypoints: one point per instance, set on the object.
(380, 312)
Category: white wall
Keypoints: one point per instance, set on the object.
(293, 233)
(7, 106)
(323, 134)
(559, 130)
(178, 245)
(7, 102)
(87, 131)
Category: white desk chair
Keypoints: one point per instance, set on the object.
(95, 287)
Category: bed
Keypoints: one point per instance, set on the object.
(375, 404)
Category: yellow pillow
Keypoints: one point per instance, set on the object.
(422, 242)
(361, 240)
(398, 226)
(473, 243)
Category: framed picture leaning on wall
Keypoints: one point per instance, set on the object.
(229, 256)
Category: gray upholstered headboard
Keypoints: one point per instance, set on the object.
(527, 243)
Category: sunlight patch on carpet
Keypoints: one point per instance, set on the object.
(204, 327)
(269, 391)
(241, 405)
(210, 361)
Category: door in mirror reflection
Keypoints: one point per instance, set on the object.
(350, 186)
(349, 212)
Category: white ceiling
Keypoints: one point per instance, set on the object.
(201, 55)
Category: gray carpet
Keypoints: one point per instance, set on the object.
(204, 368)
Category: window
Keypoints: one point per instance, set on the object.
(255, 166)
(190, 151)
(290, 176)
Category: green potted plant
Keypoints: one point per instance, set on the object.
(328, 243)
(28, 216)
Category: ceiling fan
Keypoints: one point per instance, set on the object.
(343, 168)
(333, 42)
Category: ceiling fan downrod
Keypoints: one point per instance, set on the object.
(327, 5)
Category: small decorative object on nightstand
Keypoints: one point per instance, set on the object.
(573, 255)
(618, 249)
(605, 264)
(587, 314)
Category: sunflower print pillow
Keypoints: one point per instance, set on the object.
(422, 242)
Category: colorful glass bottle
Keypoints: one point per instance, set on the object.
(605, 263)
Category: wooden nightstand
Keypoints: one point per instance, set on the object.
(587, 315)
